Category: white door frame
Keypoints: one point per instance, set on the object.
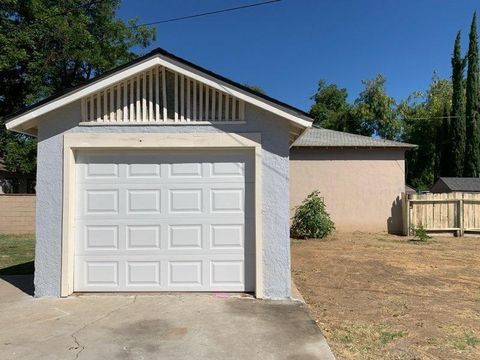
(73, 142)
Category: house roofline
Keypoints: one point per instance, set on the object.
(14, 120)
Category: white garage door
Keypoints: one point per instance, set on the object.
(161, 221)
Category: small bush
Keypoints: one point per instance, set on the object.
(419, 233)
(311, 219)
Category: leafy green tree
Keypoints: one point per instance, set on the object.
(421, 115)
(48, 46)
(472, 151)
(376, 111)
(20, 156)
(330, 107)
(373, 113)
(456, 144)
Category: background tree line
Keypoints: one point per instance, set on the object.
(48, 46)
(443, 120)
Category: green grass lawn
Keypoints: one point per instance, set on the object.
(16, 254)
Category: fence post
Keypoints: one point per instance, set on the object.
(460, 216)
(404, 213)
(409, 217)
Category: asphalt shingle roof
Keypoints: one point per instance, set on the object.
(467, 184)
(318, 137)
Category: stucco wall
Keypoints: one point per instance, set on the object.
(361, 187)
(275, 210)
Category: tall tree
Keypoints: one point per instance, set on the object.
(457, 131)
(51, 45)
(443, 161)
(472, 150)
(377, 110)
(330, 107)
(421, 115)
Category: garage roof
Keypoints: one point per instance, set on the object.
(465, 184)
(319, 137)
(22, 120)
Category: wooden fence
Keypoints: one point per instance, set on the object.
(455, 212)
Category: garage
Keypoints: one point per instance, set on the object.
(164, 221)
(160, 176)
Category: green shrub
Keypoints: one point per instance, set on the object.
(311, 219)
(419, 233)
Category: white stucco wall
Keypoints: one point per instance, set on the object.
(275, 207)
(361, 187)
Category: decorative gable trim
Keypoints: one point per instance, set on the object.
(159, 95)
(26, 120)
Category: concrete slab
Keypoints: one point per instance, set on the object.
(295, 294)
(155, 326)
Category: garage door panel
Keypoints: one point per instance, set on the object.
(101, 170)
(221, 235)
(185, 201)
(99, 237)
(185, 170)
(165, 273)
(176, 200)
(141, 171)
(101, 273)
(162, 222)
(226, 236)
(185, 236)
(226, 272)
(103, 201)
(143, 237)
(198, 239)
(143, 273)
(185, 273)
(143, 201)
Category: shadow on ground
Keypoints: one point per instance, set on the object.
(20, 276)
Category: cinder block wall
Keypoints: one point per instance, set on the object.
(17, 214)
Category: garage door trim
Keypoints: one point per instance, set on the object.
(126, 141)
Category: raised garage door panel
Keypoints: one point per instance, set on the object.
(159, 221)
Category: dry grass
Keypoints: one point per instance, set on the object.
(385, 297)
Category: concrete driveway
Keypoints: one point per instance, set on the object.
(167, 326)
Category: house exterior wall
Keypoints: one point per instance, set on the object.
(17, 214)
(361, 187)
(275, 213)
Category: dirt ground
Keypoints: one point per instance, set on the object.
(378, 296)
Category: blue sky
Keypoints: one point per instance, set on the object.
(287, 47)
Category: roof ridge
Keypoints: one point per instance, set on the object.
(315, 136)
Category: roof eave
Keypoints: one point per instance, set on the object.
(19, 122)
(395, 147)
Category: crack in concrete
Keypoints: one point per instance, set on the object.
(74, 337)
(79, 346)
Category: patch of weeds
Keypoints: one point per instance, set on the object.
(419, 233)
(387, 337)
(466, 340)
(347, 338)
(367, 340)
